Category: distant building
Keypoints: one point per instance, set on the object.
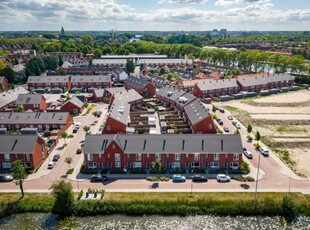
(62, 32)
(33, 102)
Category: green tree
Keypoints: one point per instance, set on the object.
(61, 72)
(51, 62)
(68, 160)
(289, 209)
(157, 167)
(257, 136)
(245, 167)
(86, 129)
(19, 174)
(64, 198)
(8, 73)
(130, 66)
(97, 52)
(20, 109)
(35, 66)
(60, 61)
(249, 128)
(213, 109)
(64, 135)
(2, 65)
(87, 40)
(162, 71)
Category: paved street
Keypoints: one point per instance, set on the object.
(274, 175)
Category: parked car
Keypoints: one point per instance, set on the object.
(51, 165)
(56, 157)
(6, 177)
(98, 178)
(230, 117)
(75, 130)
(248, 154)
(199, 178)
(264, 151)
(220, 122)
(77, 125)
(178, 178)
(222, 110)
(218, 119)
(226, 129)
(234, 122)
(63, 96)
(238, 126)
(60, 100)
(78, 151)
(222, 178)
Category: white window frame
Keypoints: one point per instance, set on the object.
(6, 165)
(7, 157)
(177, 156)
(90, 157)
(176, 165)
(236, 156)
(157, 156)
(137, 165)
(214, 165)
(216, 157)
(92, 165)
(196, 157)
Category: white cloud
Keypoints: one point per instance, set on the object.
(232, 2)
(184, 1)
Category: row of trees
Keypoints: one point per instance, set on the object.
(37, 65)
(255, 60)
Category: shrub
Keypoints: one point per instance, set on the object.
(249, 137)
(117, 171)
(102, 191)
(70, 171)
(70, 136)
(154, 178)
(244, 167)
(177, 171)
(256, 145)
(88, 171)
(162, 171)
(198, 171)
(80, 194)
(289, 209)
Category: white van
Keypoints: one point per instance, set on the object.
(264, 151)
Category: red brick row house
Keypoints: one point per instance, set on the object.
(42, 121)
(89, 83)
(194, 151)
(4, 84)
(118, 115)
(169, 94)
(49, 82)
(105, 95)
(29, 148)
(141, 85)
(199, 118)
(264, 82)
(8, 99)
(33, 102)
(210, 88)
(73, 106)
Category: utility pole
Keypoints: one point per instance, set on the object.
(257, 179)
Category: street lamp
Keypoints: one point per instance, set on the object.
(257, 179)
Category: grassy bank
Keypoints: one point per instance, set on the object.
(161, 204)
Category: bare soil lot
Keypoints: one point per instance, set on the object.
(283, 120)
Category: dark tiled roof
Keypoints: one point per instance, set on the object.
(127, 96)
(92, 78)
(11, 95)
(118, 71)
(29, 99)
(217, 84)
(48, 79)
(264, 79)
(173, 93)
(33, 118)
(178, 143)
(119, 111)
(115, 90)
(196, 111)
(185, 99)
(17, 143)
(137, 81)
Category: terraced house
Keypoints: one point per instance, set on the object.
(60, 83)
(29, 148)
(89, 83)
(141, 85)
(33, 102)
(42, 121)
(194, 151)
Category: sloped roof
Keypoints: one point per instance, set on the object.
(170, 92)
(33, 118)
(185, 99)
(173, 143)
(137, 81)
(196, 111)
(48, 79)
(119, 111)
(11, 96)
(29, 99)
(91, 78)
(217, 84)
(17, 143)
(127, 96)
(75, 101)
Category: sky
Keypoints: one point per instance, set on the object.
(156, 15)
